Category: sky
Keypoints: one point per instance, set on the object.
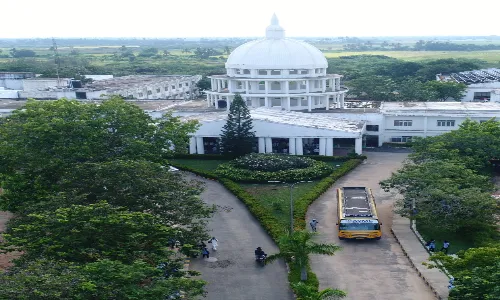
(236, 18)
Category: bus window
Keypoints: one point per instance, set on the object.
(359, 226)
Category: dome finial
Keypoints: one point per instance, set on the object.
(275, 31)
(274, 20)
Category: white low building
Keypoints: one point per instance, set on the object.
(277, 72)
(482, 85)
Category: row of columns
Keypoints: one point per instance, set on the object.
(213, 99)
(295, 146)
(217, 85)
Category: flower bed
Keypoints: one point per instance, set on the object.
(271, 167)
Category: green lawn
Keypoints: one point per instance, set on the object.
(457, 241)
(275, 197)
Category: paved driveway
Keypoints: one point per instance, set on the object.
(366, 269)
(235, 275)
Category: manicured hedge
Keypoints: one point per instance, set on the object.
(318, 169)
(202, 156)
(316, 157)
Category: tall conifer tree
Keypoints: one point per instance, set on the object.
(237, 136)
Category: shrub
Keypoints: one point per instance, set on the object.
(253, 168)
(272, 162)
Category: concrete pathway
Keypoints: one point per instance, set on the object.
(366, 269)
(417, 254)
(234, 274)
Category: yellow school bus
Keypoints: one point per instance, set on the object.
(357, 214)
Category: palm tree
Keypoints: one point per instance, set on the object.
(307, 292)
(296, 247)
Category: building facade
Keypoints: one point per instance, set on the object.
(276, 72)
(482, 85)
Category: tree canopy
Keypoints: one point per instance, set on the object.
(237, 138)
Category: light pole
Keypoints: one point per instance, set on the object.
(291, 199)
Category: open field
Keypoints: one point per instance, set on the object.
(492, 56)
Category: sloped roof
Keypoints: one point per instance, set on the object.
(319, 121)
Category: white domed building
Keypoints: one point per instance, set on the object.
(285, 85)
(276, 72)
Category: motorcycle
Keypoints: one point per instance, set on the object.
(261, 259)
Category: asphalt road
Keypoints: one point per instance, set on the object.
(366, 269)
(235, 274)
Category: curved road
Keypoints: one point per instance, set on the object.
(366, 269)
(235, 275)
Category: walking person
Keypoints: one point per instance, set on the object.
(214, 243)
(445, 247)
(431, 245)
(205, 253)
(313, 224)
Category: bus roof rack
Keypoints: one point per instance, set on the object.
(356, 203)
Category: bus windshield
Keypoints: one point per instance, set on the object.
(359, 226)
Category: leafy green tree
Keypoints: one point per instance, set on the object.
(227, 50)
(307, 292)
(372, 87)
(22, 53)
(104, 279)
(447, 90)
(139, 186)
(237, 137)
(414, 90)
(473, 143)
(204, 84)
(89, 233)
(296, 248)
(445, 194)
(476, 272)
(149, 52)
(48, 138)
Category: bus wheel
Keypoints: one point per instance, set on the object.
(378, 238)
(341, 238)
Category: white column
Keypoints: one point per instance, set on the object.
(200, 149)
(337, 102)
(342, 100)
(425, 127)
(299, 147)
(228, 101)
(358, 146)
(322, 146)
(192, 145)
(291, 146)
(287, 87)
(262, 145)
(219, 86)
(266, 103)
(324, 85)
(309, 103)
(269, 145)
(329, 147)
(216, 101)
(266, 87)
(288, 103)
(212, 84)
(246, 87)
(209, 101)
(327, 100)
(307, 86)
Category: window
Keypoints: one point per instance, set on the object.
(149, 92)
(262, 72)
(304, 72)
(186, 84)
(141, 95)
(401, 139)
(482, 121)
(246, 71)
(180, 85)
(482, 95)
(276, 72)
(446, 123)
(292, 85)
(238, 71)
(166, 88)
(239, 84)
(157, 90)
(403, 122)
(173, 87)
(293, 72)
(371, 127)
(262, 86)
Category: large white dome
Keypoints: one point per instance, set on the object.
(276, 52)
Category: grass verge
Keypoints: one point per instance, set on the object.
(457, 241)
